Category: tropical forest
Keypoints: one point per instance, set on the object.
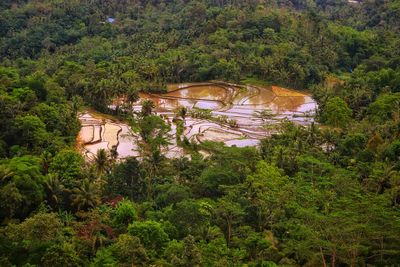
(188, 133)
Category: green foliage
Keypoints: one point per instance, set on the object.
(229, 214)
(353, 144)
(22, 186)
(127, 180)
(385, 107)
(171, 194)
(269, 191)
(58, 118)
(393, 151)
(125, 213)
(85, 195)
(191, 217)
(104, 257)
(67, 166)
(308, 196)
(102, 161)
(336, 113)
(151, 234)
(183, 253)
(129, 250)
(38, 228)
(31, 240)
(32, 131)
(61, 255)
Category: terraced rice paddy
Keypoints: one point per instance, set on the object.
(101, 133)
(245, 105)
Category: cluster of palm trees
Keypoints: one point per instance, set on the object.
(86, 193)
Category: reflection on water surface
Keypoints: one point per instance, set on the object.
(245, 105)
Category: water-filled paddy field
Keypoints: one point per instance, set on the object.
(255, 110)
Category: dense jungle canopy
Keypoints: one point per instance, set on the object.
(323, 195)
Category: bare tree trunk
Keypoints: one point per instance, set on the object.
(149, 189)
(333, 260)
(229, 223)
(323, 257)
(353, 258)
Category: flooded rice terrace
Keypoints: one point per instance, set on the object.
(240, 116)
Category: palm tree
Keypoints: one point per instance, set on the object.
(114, 153)
(151, 164)
(313, 134)
(181, 112)
(77, 102)
(55, 191)
(98, 240)
(132, 96)
(380, 179)
(180, 164)
(85, 196)
(46, 159)
(154, 136)
(147, 107)
(328, 136)
(100, 93)
(101, 161)
(66, 217)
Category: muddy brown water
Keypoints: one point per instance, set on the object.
(233, 102)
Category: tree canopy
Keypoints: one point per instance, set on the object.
(327, 194)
